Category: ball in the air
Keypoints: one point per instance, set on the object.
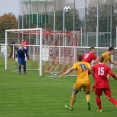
(67, 9)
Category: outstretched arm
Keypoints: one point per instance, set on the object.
(112, 62)
(68, 71)
(112, 74)
(95, 61)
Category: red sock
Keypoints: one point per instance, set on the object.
(113, 100)
(99, 103)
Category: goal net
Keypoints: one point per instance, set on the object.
(50, 52)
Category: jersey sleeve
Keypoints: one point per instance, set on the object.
(17, 51)
(89, 66)
(94, 57)
(74, 66)
(26, 52)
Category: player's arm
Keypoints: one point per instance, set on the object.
(95, 61)
(92, 71)
(93, 86)
(26, 53)
(112, 74)
(112, 62)
(68, 71)
(17, 52)
(16, 56)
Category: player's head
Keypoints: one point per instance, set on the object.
(92, 49)
(101, 59)
(23, 39)
(111, 50)
(22, 47)
(79, 57)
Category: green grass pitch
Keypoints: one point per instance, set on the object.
(33, 96)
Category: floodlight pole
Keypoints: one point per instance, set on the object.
(97, 27)
(6, 50)
(74, 17)
(111, 23)
(63, 25)
(116, 36)
(40, 64)
(81, 36)
(54, 21)
(85, 25)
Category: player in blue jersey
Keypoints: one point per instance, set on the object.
(21, 56)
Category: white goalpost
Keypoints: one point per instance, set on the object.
(50, 52)
(19, 34)
(47, 52)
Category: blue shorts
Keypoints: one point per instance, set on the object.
(21, 61)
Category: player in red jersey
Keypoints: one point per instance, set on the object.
(88, 57)
(100, 72)
(25, 43)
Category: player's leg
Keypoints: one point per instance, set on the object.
(24, 66)
(73, 97)
(76, 88)
(72, 101)
(87, 91)
(19, 65)
(108, 94)
(98, 92)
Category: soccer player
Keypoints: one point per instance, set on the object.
(21, 55)
(107, 58)
(25, 43)
(82, 81)
(100, 72)
(11, 46)
(88, 57)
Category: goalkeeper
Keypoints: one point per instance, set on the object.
(21, 56)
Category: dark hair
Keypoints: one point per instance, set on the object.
(101, 58)
(92, 48)
(79, 57)
(110, 49)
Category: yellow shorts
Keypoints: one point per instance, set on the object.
(85, 85)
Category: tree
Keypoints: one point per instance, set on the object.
(107, 13)
(7, 21)
(104, 15)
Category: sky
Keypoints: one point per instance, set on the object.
(7, 6)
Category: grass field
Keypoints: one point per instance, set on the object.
(33, 96)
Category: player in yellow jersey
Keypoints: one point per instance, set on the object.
(107, 56)
(82, 81)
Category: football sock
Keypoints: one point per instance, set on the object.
(111, 99)
(88, 97)
(98, 101)
(72, 100)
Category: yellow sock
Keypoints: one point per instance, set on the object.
(88, 97)
(72, 100)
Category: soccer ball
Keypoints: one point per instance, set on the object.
(67, 9)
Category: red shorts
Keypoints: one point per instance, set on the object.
(107, 92)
